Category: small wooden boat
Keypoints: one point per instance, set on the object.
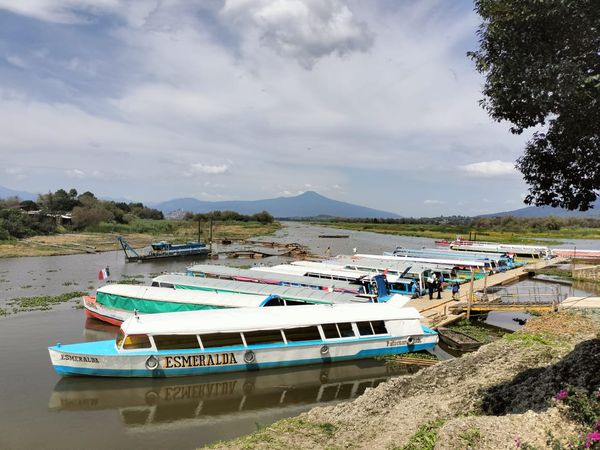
(213, 341)
(458, 340)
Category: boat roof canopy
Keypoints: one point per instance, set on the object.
(274, 277)
(212, 298)
(273, 318)
(286, 292)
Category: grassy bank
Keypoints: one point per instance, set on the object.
(449, 232)
(509, 394)
(139, 234)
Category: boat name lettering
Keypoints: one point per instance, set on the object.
(77, 358)
(199, 391)
(217, 359)
(397, 342)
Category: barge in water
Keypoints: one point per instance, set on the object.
(163, 249)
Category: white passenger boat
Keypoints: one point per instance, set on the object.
(266, 277)
(528, 251)
(200, 342)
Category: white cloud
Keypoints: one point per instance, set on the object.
(75, 173)
(305, 30)
(493, 168)
(198, 168)
(433, 202)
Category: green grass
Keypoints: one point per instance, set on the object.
(264, 435)
(531, 339)
(470, 438)
(449, 232)
(425, 438)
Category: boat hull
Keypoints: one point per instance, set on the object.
(102, 359)
(100, 312)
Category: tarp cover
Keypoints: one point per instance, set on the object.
(147, 306)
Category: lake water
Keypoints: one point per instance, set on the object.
(38, 409)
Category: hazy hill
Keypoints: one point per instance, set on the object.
(308, 204)
(6, 192)
(543, 211)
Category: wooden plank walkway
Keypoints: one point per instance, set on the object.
(436, 311)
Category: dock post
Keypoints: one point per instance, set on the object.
(470, 297)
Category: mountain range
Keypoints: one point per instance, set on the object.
(308, 204)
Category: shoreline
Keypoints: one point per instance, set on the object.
(489, 399)
(100, 242)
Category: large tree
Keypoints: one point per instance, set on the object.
(541, 59)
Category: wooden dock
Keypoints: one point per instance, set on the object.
(438, 312)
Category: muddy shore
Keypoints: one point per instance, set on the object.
(500, 397)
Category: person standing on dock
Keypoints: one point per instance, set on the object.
(455, 289)
(440, 286)
(414, 289)
(431, 285)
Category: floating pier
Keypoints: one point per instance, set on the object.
(439, 312)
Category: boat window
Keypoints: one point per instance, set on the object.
(263, 337)
(296, 303)
(167, 285)
(302, 334)
(364, 328)
(174, 341)
(120, 338)
(275, 301)
(330, 331)
(134, 341)
(345, 329)
(221, 340)
(155, 284)
(379, 327)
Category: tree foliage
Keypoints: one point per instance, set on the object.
(263, 217)
(541, 59)
(87, 211)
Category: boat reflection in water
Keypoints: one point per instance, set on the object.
(143, 403)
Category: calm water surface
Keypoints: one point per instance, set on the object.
(38, 409)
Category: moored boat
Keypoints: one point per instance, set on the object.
(457, 340)
(200, 342)
(115, 303)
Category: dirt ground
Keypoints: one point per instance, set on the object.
(496, 398)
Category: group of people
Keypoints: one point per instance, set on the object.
(435, 284)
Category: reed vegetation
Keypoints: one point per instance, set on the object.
(550, 230)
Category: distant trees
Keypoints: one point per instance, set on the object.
(504, 223)
(86, 210)
(16, 224)
(263, 217)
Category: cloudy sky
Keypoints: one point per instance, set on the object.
(373, 103)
